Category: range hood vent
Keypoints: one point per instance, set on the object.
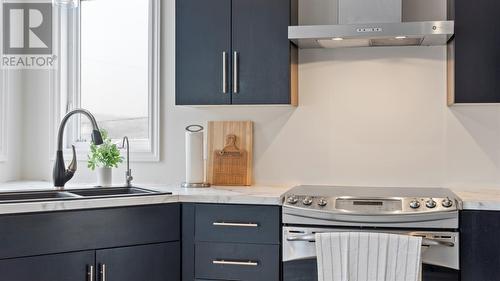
(372, 23)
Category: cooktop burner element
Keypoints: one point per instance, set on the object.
(430, 207)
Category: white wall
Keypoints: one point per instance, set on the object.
(366, 117)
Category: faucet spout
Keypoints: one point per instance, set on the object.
(128, 173)
(61, 175)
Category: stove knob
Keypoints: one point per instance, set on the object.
(322, 202)
(307, 201)
(430, 203)
(292, 199)
(414, 204)
(447, 203)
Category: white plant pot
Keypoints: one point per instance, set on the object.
(104, 177)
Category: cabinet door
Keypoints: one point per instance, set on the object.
(57, 267)
(156, 262)
(203, 32)
(480, 245)
(260, 38)
(477, 63)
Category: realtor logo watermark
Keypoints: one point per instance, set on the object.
(27, 35)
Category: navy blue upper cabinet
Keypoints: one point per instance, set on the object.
(235, 52)
(474, 60)
(203, 42)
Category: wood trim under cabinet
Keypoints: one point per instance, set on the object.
(294, 75)
(450, 73)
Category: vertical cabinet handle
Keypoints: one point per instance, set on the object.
(102, 272)
(235, 72)
(90, 273)
(224, 72)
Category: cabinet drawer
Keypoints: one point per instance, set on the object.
(237, 224)
(245, 262)
(69, 231)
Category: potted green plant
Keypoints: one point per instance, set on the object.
(103, 158)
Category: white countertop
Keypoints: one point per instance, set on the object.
(256, 195)
(479, 198)
(473, 198)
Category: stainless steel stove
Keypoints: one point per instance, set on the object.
(431, 213)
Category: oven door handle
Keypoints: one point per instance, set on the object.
(425, 241)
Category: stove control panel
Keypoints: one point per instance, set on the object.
(371, 205)
(431, 203)
(305, 201)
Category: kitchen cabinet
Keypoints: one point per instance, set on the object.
(158, 262)
(57, 267)
(203, 32)
(480, 245)
(126, 243)
(231, 242)
(473, 60)
(235, 52)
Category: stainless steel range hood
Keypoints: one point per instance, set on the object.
(373, 23)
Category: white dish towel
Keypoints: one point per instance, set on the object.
(366, 256)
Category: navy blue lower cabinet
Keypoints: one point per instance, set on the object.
(245, 262)
(70, 231)
(157, 262)
(111, 244)
(237, 223)
(231, 242)
(480, 245)
(58, 267)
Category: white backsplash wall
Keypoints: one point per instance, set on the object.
(366, 117)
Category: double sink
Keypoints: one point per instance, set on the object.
(87, 193)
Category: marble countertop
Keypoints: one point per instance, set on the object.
(479, 198)
(473, 198)
(256, 195)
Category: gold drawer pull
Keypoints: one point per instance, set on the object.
(235, 224)
(243, 263)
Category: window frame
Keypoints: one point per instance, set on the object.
(3, 114)
(4, 92)
(67, 80)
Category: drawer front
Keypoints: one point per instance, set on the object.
(245, 262)
(68, 231)
(237, 224)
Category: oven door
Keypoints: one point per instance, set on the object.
(440, 253)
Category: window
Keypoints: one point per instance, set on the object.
(3, 115)
(3, 102)
(113, 71)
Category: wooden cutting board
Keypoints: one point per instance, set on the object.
(230, 152)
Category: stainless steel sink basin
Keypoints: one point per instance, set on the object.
(112, 191)
(75, 194)
(34, 196)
